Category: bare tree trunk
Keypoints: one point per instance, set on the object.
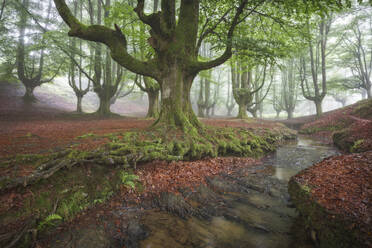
(79, 108)
(318, 106)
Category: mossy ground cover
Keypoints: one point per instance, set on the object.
(59, 198)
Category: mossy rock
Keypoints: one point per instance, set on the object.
(327, 229)
(341, 140)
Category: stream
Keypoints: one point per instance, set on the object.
(249, 209)
(256, 215)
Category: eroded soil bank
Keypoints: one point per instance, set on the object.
(247, 205)
(334, 200)
(334, 196)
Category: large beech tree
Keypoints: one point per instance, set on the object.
(176, 45)
(176, 38)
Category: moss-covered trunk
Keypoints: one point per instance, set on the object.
(176, 110)
(153, 110)
(242, 113)
(104, 106)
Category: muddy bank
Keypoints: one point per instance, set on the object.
(247, 207)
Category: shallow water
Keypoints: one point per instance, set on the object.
(255, 213)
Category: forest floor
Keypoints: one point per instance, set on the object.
(343, 184)
(41, 128)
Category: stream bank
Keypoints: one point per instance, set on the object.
(246, 208)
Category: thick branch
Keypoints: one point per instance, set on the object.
(114, 39)
(152, 20)
(228, 51)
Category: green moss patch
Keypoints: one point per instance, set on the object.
(59, 198)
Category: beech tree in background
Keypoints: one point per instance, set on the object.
(31, 68)
(289, 87)
(316, 90)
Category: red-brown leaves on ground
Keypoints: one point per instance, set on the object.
(343, 185)
(347, 120)
(159, 176)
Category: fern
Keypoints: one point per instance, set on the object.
(128, 179)
(48, 221)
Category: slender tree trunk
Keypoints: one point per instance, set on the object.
(318, 106)
(79, 108)
(277, 114)
(153, 110)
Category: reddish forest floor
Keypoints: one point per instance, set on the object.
(37, 128)
(344, 127)
(343, 184)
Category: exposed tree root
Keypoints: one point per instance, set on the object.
(15, 236)
(129, 148)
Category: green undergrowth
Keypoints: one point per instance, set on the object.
(62, 197)
(173, 145)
